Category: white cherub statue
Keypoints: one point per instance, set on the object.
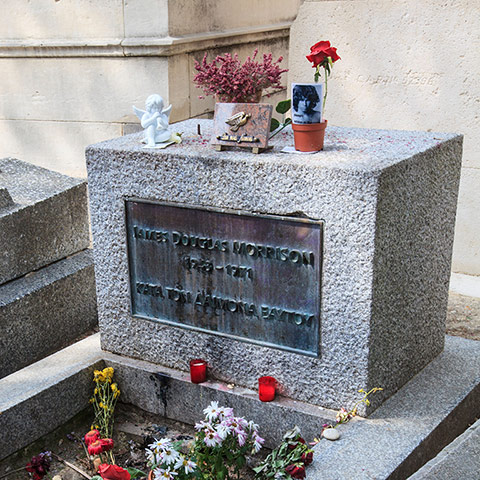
(154, 120)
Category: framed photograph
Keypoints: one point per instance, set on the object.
(307, 101)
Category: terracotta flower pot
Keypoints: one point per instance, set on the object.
(309, 137)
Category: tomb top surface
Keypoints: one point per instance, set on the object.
(28, 184)
(356, 149)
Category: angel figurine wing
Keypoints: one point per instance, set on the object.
(166, 111)
(139, 113)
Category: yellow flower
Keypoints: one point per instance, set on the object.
(114, 387)
(100, 405)
(108, 373)
(116, 394)
(95, 391)
(91, 400)
(98, 376)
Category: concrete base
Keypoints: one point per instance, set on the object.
(41, 397)
(401, 436)
(460, 459)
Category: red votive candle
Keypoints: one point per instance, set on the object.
(198, 370)
(266, 388)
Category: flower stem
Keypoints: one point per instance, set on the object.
(326, 91)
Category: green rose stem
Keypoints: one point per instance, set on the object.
(326, 64)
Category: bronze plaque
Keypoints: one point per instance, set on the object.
(255, 278)
(242, 124)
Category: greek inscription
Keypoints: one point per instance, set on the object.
(148, 289)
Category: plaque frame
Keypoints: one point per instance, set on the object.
(237, 213)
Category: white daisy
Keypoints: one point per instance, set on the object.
(185, 463)
(211, 412)
(257, 444)
(159, 445)
(253, 427)
(211, 438)
(170, 456)
(223, 430)
(162, 474)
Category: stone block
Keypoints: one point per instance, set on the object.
(61, 21)
(45, 311)
(466, 250)
(57, 78)
(5, 198)
(66, 154)
(460, 459)
(47, 221)
(171, 394)
(413, 426)
(387, 200)
(43, 396)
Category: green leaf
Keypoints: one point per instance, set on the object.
(96, 477)
(135, 473)
(283, 106)
(288, 121)
(274, 124)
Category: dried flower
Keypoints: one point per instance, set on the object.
(107, 444)
(91, 436)
(39, 465)
(95, 448)
(227, 77)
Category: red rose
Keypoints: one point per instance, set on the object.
(320, 52)
(295, 472)
(91, 436)
(307, 458)
(113, 472)
(107, 444)
(95, 448)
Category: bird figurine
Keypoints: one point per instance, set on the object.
(238, 120)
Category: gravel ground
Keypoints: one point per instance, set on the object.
(463, 316)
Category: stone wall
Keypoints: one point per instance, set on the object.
(72, 70)
(405, 65)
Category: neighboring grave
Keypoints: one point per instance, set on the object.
(46, 221)
(47, 283)
(327, 271)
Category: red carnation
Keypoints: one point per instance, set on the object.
(113, 472)
(107, 444)
(95, 448)
(91, 436)
(307, 458)
(295, 472)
